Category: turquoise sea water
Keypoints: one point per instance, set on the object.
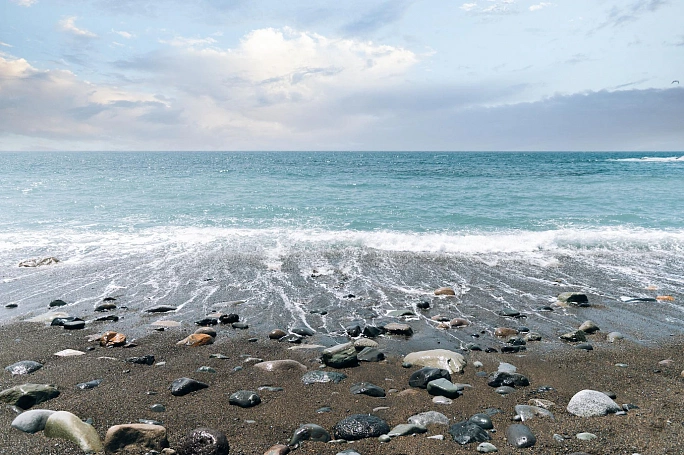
(199, 230)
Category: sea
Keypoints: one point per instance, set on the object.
(326, 240)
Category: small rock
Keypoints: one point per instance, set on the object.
(32, 421)
(482, 420)
(229, 318)
(360, 426)
(504, 332)
(500, 378)
(135, 437)
(244, 399)
(422, 377)
(280, 366)
(276, 334)
(442, 400)
(24, 367)
(366, 388)
(207, 331)
(486, 447)
(520, 436)
(590, 403)
(443, 387)
(309, 432)
(69, 353)
(74, 325)
(184, 386)
(574, 336)
(142, 360)
(585, 347)
(277, 449)
(65, 425)
(589, 327)
(38, 262)
(585, 436)
(340, 356)
(509, 313)
(105, 306)
(429, 418)
(406, 429)
(303, 331)
(370, 355)
(504, 390)
(26, 396)
(89, 385)
(239, 325)
(112, 339)
(161, 309)
(316, 376)
(450, 361)
(196, 339)
(527, 412)
(612, 337)
(445, 291)
(204, 441)
(158, 407)
(532, 336)
(468, 432)
(372, 331)
(459, 322)
(574, 298)
(399, 329)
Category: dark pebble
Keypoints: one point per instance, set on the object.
(74, 325)
(24, 367)
(61, 321)
(143, 360)
(244, 399)
(303, 331)
(482, 420)
(421, 377)
(371, 331)
(229, 318)
(89, 385)
(184, 386)
(500, 378)
(239, 325)
(204, 441)
(520, 436)
(161, 309)
(366, 388)
(205, 322)
(360, 426)
(468, 432)
(56, 303)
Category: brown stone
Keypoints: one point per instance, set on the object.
(112, 338)
(445, 291)
(197, 339)
(440, 318)
(504, 332)
(276, 334)
(399, 329)
(278, 449)
(137, 437)
(459, 322)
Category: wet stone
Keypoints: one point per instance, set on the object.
(504, 390)
(366, 388)
(244, 399)
(370, 355)
(443, 387)
(229, 318)
(372, 331)
(161, 309)
(239, 325)
(57, 303)
(585, 347)
(26, 396)
(422, 377)
(276, 334)
(509, 313)
(303, 331)
(74, 325)
(500, 378)
(205, 322)
(309, 432)
(157, 408)
(406, 429)
(429, 418)
(353, 330)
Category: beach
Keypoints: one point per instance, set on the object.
(633, 372)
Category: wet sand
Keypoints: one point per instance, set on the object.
(656, 427)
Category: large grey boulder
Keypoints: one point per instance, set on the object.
(27, 395)
(32, 421)
(65, 425)
(591, 403)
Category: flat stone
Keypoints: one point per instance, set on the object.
(396, 328)
(467, 433)
(203, 441)
(486, 447)
(277, 449)
(527, 412)
(26, 396)
(206, 369)
(161, 309)
(442, 400)
(353, 330)
(68, 353)
(366, 388)
(585, 436)
(362, 343)
(207, 331)
(459, 322)
(443, 387)
(166, 323)
(280, 366)
(406, 429)
(142, 360)
(400, 313)
(509, 313)
(74, 325)
(244, 399)
(574, 336)
(105, 306)
(229, 318)
(317, 376)
(135, 437)
(504, 390)
(360, 426)
(48, 317)
(574, 298)
(520, 436)
(65, 425)
(445, 291)
(24, 367)
(450, 361)
(89, 385)
(303, 331)
(372, 331)
(184, 386)
(276, 334)
(591, 403)
(612, 337)
(585, 347)
(504, 332)
(32, 421)
(532, 336)
(309, 432)
(57, 303)
(240, 325)
(340, 356)
(429, 418)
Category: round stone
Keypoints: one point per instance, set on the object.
(204, 441)
(520, 436)
(360, 426)
(590, 403)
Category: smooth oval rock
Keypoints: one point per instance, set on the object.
(591, 403)
(32, 421)
(203, 441)
(486, 447)
(589, 327)
(161, 309)
(244, 399)
(360, 426)
(196, 339)
(24, 367)
(612, 337)
(309, 432)
(89, 385)
(443, 387)
(65, 425)
(184, 386)
(520, 436)
(445, 291)
(444, 359)
(276, 334)
(135, 437)
(482, 420)
(422, 377)
(406, 429)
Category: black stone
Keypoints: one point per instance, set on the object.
(239, 325)
(61, 321)
(585, 347)
(74, 325)
(467, 432)
(508, 379)
(143, 360)
(423, 305)
(111, 317)
(473, 347)
(512, 349)
(370, 355)
(360, 426)
(244, 399)
(105, 306)
(184, 386)
(109, 299)
(516, 341)
(490, 350)
(206, 322)
(520, 436)
(366, 388)
(353, 330)
(161, 309)
(421, 377)
(57, 302)
(229, 318)
(483, 420)
(371, 331)
(291, 338)
(11, 305)
(303, 331)
(204, 441)
(509, 313)
(89, 385)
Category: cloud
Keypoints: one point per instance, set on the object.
(189, 42)
(621, 15)
(539, 6)
(26, 3)
(490, 7)
(123, 34)
(386, 13)
(5, 44)
(68, 25)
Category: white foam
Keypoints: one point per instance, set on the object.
(651, 159)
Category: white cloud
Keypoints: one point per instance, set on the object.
(539, 6)
(68, 25)
(5, 44)
(124, 34)
(489, 7)
(180, 41)
(25, 3)
(469, 6)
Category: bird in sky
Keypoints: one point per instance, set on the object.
(675, 81)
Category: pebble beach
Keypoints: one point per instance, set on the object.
(134, 381)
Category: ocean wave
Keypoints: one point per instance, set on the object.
(651, 159)
(277, 243)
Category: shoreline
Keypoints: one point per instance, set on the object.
(122, 397)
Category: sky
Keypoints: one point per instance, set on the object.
(413, 75)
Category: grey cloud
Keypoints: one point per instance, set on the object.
(387, 13)
(620, 15)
